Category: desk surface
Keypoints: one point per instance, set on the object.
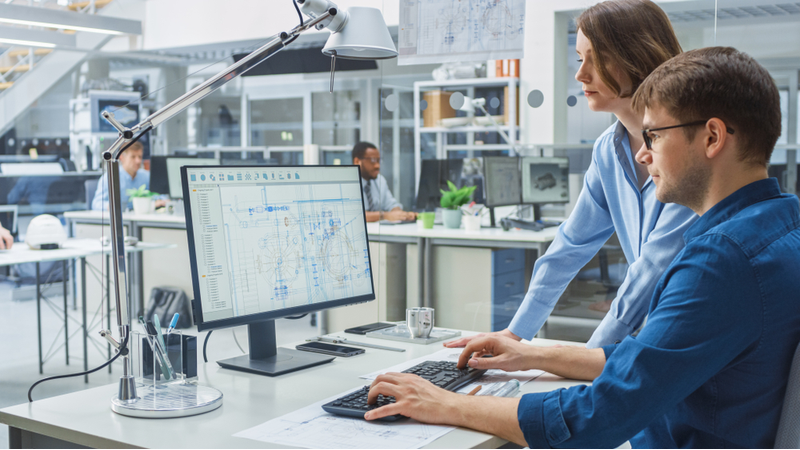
(86, 418)
(410, 231)
(72, 248)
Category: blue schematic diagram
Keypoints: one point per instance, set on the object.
(294, 245)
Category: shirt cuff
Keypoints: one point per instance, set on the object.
(541, 421)
(609, 349)
(609, 331)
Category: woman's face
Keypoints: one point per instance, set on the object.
(599, 96)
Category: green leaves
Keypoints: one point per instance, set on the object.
(455, 197)
(141, 192)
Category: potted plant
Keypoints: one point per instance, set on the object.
(452, 201)
(142, 200)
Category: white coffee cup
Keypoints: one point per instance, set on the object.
(419, 321)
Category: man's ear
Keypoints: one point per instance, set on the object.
(716, 135)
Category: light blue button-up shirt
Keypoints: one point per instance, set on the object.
(650, 233)
(382, 198)
(100, 200)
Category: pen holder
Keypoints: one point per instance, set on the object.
(154, 365)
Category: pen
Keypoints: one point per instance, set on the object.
(339, 340)
(160, 340)
(509, 389)
(156, 349)
(493, 388)
(173, 323)
(477, 388)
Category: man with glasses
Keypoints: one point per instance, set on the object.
(379, 202)
(711, 367)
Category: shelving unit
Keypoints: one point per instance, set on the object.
(510, 128)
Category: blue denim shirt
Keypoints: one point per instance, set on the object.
(710, 368)
(650, 234)
(100, 200)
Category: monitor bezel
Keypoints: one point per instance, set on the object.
(197, 304)
(522, 163)
(486, 181)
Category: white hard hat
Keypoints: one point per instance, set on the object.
(45, 232)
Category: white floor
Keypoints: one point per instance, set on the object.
(19, 354)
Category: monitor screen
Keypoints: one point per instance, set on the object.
(174, 172)
(434, 175)
(502, 180)
(266, 243)
(545, 180)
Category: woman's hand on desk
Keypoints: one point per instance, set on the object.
(507, 354)
(458, 343)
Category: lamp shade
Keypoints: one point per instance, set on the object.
(363, 36)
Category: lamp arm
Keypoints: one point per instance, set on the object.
(127, 389)
(498, 128)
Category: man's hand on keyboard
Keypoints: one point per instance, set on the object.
(416, 398)
(507, 354)
(458, 343)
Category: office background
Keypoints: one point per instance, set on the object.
(290, 117)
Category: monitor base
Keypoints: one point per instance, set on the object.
(285, 361)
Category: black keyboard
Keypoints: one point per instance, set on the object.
(444, 374)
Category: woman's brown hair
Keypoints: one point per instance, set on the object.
(636, 36)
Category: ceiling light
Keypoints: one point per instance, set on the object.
(35, 38)
(68, 20)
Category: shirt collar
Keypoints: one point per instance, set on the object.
(622, 146)
(731, 205)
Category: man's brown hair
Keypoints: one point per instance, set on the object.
(635, 36)
(719, 82)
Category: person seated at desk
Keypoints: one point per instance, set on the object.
(6, 239)
(710, 369)
(379, 202)
(131, 176)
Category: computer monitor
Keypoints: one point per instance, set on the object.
(174, 165)
(545, 180)
(502, 180)
(434, 175)
(272, 242)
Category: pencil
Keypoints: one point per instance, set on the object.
(477, 388)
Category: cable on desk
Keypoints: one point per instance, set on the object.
(122, 349)
(205, 344)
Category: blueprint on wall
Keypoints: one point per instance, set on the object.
(436, 31)
(291, 245)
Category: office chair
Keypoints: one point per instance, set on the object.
(789, 427)
(91, 187)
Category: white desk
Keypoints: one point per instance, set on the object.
(85, 418)
(72, 249)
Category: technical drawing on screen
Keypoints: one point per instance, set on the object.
(268, 242)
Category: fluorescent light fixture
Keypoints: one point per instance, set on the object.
(36, 38)
(68, 20)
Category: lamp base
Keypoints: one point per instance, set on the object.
(169, 401)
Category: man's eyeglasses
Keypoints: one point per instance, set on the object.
(372, 160)
(648, 142)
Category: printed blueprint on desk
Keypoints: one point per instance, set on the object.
(436, 31)
(312, 427)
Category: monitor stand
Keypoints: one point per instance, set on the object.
(266, 358)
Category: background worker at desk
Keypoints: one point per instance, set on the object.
(711, 368)
(131, 176)
(378, 199)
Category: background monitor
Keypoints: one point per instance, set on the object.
(503, 181)
(435, 173)
(271, 242)
(174, 165)
(545, 180)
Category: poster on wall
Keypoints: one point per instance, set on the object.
(439, 31)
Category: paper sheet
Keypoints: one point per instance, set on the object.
(452, 354)
(437, 31)
(312, 427)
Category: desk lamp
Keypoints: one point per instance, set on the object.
(357, 33)
(459, 101)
